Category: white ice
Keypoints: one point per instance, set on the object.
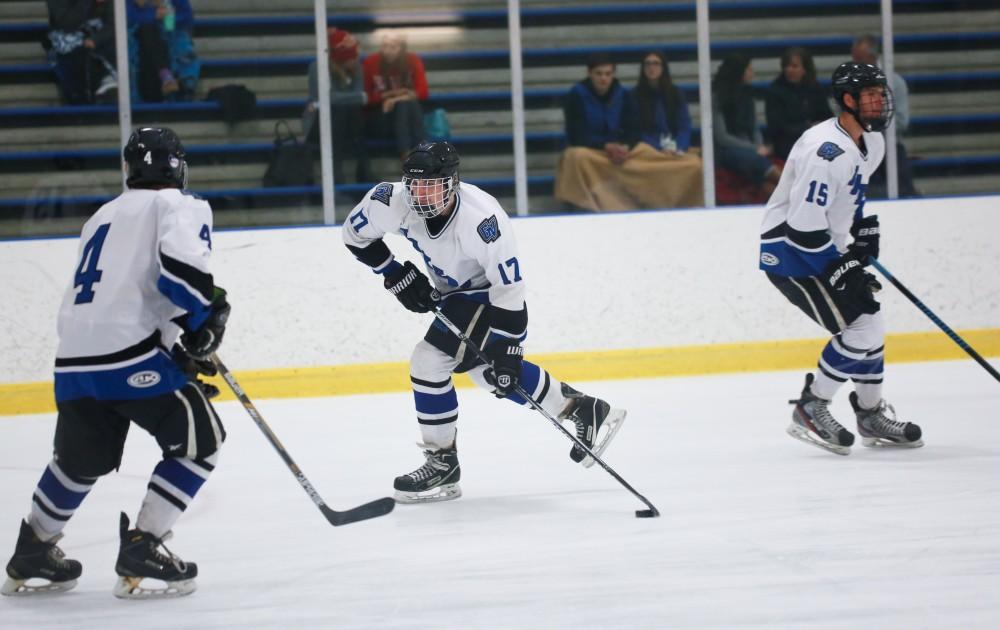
(757, 530)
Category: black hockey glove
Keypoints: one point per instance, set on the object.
(848, 282)
(193, 368)
(201, 343)
(411, 288)
(504, 372)
(866, 238)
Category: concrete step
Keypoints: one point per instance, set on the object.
(72, 136)
(501, 165)
(268, 86)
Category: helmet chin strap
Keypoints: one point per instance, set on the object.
(877, 124)
(855, 113)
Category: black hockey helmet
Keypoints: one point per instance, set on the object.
(154, 158)
(430, 178)
(851, 78)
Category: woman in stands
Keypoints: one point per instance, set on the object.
(395, 84)
(82, 45)
(739, 145)
(665, 125)
(795, 101)
(347, 97)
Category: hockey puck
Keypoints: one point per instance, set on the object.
(647, 513)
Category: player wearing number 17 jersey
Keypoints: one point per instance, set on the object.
(468, 246)
(815, 244)
(141, 280)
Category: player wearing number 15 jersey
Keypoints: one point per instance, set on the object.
(815, 244)
(468, 246)
(141, 281)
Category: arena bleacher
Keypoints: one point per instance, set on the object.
(59, 162)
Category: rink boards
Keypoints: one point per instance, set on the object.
(612, 296)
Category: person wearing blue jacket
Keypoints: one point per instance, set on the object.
(606, 166)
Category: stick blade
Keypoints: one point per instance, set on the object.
(373, 509)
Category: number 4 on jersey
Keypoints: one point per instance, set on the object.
(87, 273)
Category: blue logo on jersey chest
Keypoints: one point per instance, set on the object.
(430, 265)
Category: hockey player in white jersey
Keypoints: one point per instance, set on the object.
(467, 243)
(141, 280)
(815, 244)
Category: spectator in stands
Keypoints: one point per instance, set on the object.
(395, 84)
(739, 145)
(347, 96)
(795, 101)
(82, 42)
(180, 42)
(161, 52)
(866, 49)
(665, 124)
(606, 166)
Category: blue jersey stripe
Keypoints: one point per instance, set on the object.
(152, 377)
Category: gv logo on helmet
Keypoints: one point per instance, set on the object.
(144, 379)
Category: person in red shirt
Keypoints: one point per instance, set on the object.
(395, 84)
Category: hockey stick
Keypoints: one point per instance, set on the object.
(934, 318)
(379, 507)
(650, 513)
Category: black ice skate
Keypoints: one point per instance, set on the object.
(590, 415)
(436, 480)
(140, 558)
(42, 560)
(877, 428)
(813, 424)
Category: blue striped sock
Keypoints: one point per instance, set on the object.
(56, 498)
(173, 485)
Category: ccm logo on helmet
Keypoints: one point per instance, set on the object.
(144, 379)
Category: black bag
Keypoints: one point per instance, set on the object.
(291, 160)
(236, 102)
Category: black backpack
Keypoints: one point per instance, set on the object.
(236, 102)
(291, 160)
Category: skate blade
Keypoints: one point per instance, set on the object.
(447, 492)
(874, 442)
(20, 588)
(614, 421)
(802, 434)
(132, 588)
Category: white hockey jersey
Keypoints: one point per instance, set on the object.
(474, 253)
(821, 193)
(143, 261)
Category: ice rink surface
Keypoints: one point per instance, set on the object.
(757, 531)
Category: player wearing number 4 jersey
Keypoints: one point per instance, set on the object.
(815, 244)
(467, 243)
(141, 281)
